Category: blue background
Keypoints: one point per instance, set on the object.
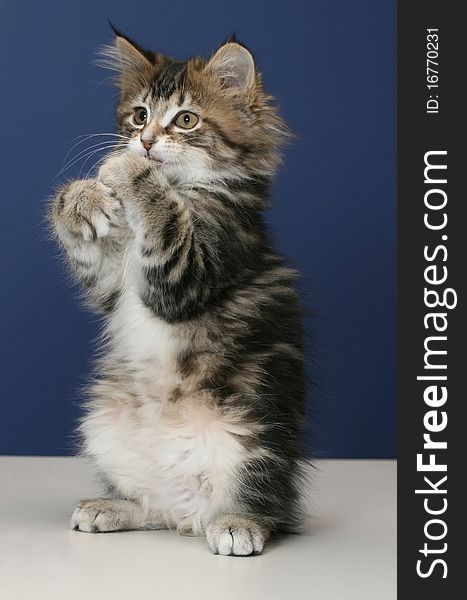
(331, 63)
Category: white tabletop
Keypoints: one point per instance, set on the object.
(348, 553)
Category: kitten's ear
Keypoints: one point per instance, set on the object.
(235, 65)
(131, 62)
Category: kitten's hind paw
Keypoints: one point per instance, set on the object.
(102, 514)
(236, 536)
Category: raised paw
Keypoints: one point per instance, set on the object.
(101, 514)
(119, 172)
(235, 535)
(86, 209)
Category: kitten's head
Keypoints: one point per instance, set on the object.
(201, 120)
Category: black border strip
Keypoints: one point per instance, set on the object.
(420, 132)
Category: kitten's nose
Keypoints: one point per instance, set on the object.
(147, 144)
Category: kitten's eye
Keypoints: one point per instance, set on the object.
(140, 116)
(186, 120)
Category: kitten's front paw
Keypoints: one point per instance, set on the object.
(236, 536)
(85, 209)
(119, 172)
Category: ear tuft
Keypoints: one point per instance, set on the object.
(235, 65)
(126, 58)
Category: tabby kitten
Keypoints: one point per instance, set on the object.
(194, 416)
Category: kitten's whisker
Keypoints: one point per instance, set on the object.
(98, 163)
(88, 136)
(81, 158)
(78, 158)
(91, 154)
(112, 133)
(100, 160)
(84, 150)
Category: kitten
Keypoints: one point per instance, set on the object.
(195, 414)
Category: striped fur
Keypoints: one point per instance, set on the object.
(194, 418)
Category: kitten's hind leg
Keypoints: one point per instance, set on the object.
(107, 514)
(236, 535)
